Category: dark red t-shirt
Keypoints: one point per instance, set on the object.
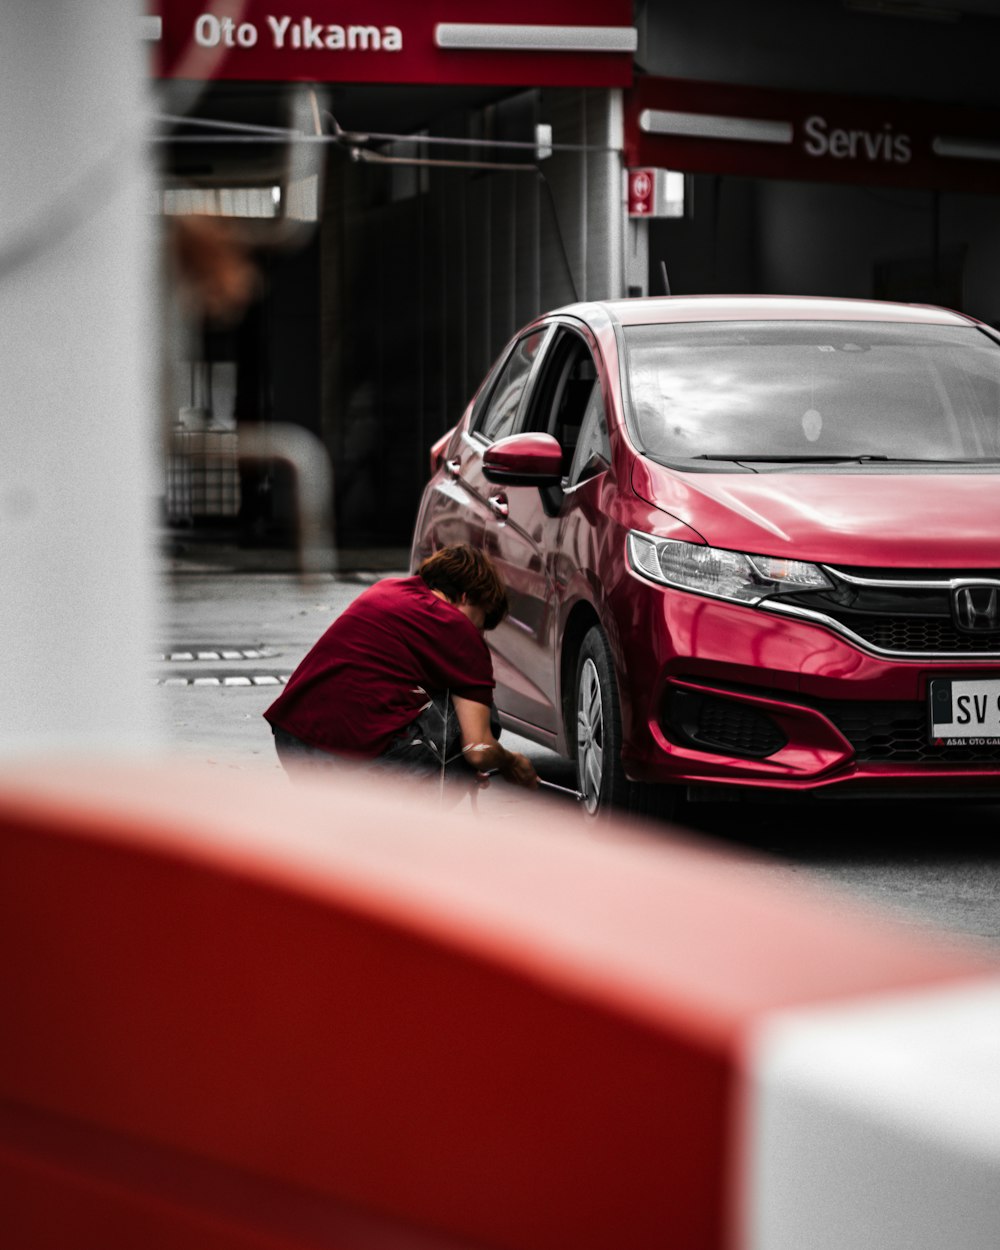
(372, 671)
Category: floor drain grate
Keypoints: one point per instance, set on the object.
(229, 679)
(202, 654)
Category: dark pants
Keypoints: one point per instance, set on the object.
(430, 746)
(296, 756)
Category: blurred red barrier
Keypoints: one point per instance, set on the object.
(238, 1014)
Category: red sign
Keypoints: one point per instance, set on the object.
(641, 188)
(716, 128)
(584, 43)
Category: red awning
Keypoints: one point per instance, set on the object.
(565, 43)
(718, 128)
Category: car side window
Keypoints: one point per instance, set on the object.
(570, 407)
(497, 420)
(592, 453)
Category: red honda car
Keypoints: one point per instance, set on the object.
(747, 542)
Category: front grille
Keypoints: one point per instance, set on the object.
(724, 725)
(926, 635)
(897, 733)
(902, 619)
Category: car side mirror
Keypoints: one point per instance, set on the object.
(524, 460)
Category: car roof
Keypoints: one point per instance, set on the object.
(677, 308)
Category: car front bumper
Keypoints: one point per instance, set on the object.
(720, 694)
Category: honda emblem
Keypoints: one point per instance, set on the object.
(977, 608)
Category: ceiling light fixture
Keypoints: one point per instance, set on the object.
(710, 126)
(508, 37)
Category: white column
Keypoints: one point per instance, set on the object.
(617, 285)
(77, 576)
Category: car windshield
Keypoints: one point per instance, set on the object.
(816, 391)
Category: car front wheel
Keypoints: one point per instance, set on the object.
(598, 734)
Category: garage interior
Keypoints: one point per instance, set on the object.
(379, 317)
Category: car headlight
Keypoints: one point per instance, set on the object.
(724, 574)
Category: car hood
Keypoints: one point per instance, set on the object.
(888, 519)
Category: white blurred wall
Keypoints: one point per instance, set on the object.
(77, 403)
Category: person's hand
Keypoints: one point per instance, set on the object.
(519, 769)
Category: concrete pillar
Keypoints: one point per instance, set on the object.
(77, 349)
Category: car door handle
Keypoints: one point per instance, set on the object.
(498, 505)
(453, 467)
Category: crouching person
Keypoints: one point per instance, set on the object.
(403, 679)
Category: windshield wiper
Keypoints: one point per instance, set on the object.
(759, 459)
(878, 459)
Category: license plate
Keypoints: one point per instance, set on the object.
(965, 713)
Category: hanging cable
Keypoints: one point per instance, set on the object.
(379, 158)
(358, 137)
(352, 142)
(245, 132)
(212, 123)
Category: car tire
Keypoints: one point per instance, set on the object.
(597, 733)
